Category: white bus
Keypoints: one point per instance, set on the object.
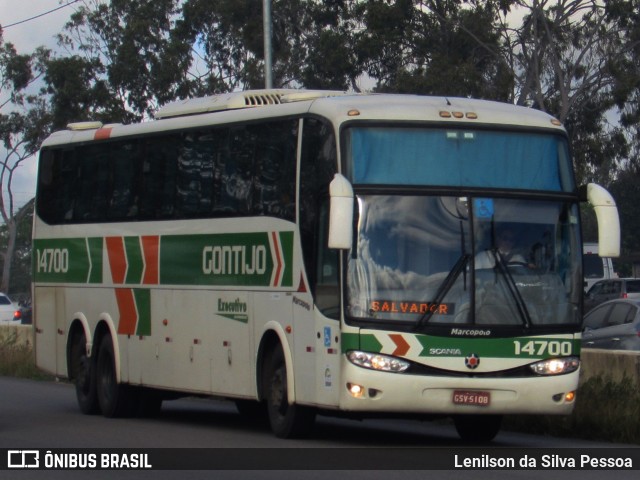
(304, 252)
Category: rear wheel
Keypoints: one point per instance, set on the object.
(84, 374)
(287, 421)
(115, 399)
(478, 428)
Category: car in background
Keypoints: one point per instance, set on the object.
(10, 314)
(613, 325)
(611, 289)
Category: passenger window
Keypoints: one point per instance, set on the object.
(618, 314)
(596, 318)
(633, 287)
(596, 289)
(631, 315)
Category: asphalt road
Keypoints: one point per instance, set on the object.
(44, 415)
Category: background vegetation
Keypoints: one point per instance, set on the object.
(119, 60)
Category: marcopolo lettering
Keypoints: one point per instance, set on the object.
(234, 260)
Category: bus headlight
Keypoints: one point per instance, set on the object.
(556, 366)
(375, 361)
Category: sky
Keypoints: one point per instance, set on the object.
(26, 37)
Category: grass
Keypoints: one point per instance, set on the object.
(17, 359)
(605, 410)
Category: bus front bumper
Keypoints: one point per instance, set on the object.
(374, 391)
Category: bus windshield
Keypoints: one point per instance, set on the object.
(429, 260)
(458, 158)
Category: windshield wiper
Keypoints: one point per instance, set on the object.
(446, 285)
(513, 289)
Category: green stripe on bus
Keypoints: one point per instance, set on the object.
(232, 259)
(143, 306)
(95, 245)
(432, 346)
(286, 239)
(135, 264)
(61, 260)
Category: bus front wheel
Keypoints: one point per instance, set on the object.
(286, 420)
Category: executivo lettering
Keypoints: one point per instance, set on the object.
(236, 306)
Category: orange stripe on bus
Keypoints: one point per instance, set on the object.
(150, 250)
(102, 134)
(117, 258)
(276, 281)
(127, 309)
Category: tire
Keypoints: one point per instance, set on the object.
(287, 421)
(83, 372)
(477, 428)
(115, 399)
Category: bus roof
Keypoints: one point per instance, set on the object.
(338, 107)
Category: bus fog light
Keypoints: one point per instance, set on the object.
(568, 397)
(356, 391)
(556, 366)
(375, 361)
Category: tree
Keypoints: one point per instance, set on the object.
(23, 125)
(437, 47)
(20, 280)
(627, 195)
(122, 63)
(568, 58)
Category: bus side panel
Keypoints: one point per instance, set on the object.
(175, 352)
(49, 345)
(271, 307)
(230, 326)
(198, 341)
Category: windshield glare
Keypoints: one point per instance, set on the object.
(432, 260)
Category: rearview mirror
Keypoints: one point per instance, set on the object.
(608, 222)
(341, 213)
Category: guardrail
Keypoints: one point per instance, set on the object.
(614, 365)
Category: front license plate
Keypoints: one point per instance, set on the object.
(464, 397)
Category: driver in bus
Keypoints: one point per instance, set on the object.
(505, 247)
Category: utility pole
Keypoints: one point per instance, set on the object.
(266, 21)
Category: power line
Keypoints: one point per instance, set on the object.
(4, 27)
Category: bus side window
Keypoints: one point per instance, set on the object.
(274, 179)
(125, 160)
(194, 188)
(318, 166)
(159, 173)
(58, 179)
(327, 281)
(91, 193)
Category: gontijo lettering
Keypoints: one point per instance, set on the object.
(234, 260)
